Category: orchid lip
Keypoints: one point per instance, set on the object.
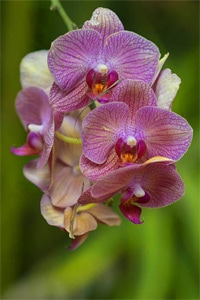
(131, 150)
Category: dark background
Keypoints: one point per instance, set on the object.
(156, 260)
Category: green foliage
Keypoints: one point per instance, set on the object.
(155, 260)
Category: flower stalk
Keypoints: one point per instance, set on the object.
(56, 6)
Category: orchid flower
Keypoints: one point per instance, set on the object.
(131, 131)
(149, 185)
(78, 220)
(32, 105)
(35, 113)
(86, 63)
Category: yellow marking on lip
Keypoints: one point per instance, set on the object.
(105, 128)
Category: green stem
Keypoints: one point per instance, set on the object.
(68, 139)
(56, 6)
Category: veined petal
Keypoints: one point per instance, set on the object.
(113, 182)
(165, 133)
(34, 71)
(163, 184)
(166, 87)
(95, 171)
(71, 56)
(135, 94)
(105, 21)
(52, 215)
(65, 101)
(100, 128)
(132, 56)
(48, 135)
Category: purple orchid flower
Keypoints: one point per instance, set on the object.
(86, 63)
(120, 133)
(149, 185)
(36, 115)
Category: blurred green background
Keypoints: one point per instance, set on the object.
(156, 260)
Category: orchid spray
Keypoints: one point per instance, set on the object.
(97, 109)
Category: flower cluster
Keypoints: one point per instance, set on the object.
(97, 108)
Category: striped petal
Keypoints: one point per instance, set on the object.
(165, 133)
(135, 94)
(72, 55)
(105, 21)
(64, 101)
(132, 56)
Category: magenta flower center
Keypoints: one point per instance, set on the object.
(131, 150)
(100, 82)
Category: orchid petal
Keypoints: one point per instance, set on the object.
(67, 185)
(105, 21)
(48, 136)
(65, 101)
(83, 222)
(132, 56)
(100, 128)
(135, 94)
(71, 56)
(78, 241)
(163, 184)
(38, 176)
(32, 106)
(51, 214)
(166, 87)
(69, 153)
(165, 133)
(109, 185)
(24, 150)
(95, 171)
(105, 215)
(131, 212)
(34, 71)
(86, 197)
